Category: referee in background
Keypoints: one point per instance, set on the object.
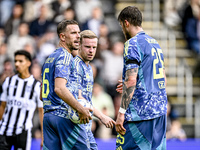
(20, 97)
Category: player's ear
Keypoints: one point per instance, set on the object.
(126, 23)
(29, 63)
(62, 37)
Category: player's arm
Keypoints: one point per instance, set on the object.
(80, 94)
(119, 88)
(41, 112)
(3, 97)
(107, 121)
(2, 108)
(41, 93)
(129, 86)
(62, 91)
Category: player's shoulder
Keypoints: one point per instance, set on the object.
(78, 60)
(8, 79)
(34, 80)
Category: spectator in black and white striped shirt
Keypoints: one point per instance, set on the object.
(20, 97)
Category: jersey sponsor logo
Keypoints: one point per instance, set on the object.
(161, 84)
(14, 102)
(46, 102)
(89, 87)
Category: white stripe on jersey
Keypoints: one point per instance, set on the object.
(22, 98)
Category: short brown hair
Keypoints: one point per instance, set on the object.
(87, 34)
(132, 14)
(63, 24)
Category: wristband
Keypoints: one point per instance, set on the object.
(122, 110)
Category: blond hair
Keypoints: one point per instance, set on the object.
(87, 34)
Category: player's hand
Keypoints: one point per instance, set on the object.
(119, 88)
(107, 121)
(85, 116)
(119, 124)
(41, 144)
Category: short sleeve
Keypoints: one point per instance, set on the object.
(62, 66)
(131, 54)
(4, 87)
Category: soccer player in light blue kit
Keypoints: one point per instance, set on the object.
(86, 53)
(141, 120)
(60, 91)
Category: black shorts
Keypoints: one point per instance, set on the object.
(22, 141)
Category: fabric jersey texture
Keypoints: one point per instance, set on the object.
(85, 78)
(85, 84)
(143, 135)
(64, 134)
(150, 99)
(59, 64)
(22, 96)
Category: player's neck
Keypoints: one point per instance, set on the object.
(64, 46)
(135, 30)
(86, 62)
(24, 75)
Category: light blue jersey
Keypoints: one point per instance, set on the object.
(85, 78)
(149, 100)
(59, 64)
(85, 84)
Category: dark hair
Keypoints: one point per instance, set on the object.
(25, 53)
(63, 24)
(132, 14)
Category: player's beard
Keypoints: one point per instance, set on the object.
(72, 47)
(127, 34)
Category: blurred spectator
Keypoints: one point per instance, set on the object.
(104, 41)
(13, 22)
(112, 67)
(176, 131)
(103, 44)
(29, 47)
(190, 11)
(103, 102)
(83, 9)
(7, 72)
(3, 55)
(5, 13)
(94, 22)
(174, 128)
(32, 10)
(171, 12)
(3, 48)
(2, 35)
(68, 14)
(171, 115)
(47, 44)
(192, 32)
(39, 26)
(36, 70)
(59, 7)
(18, 41)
